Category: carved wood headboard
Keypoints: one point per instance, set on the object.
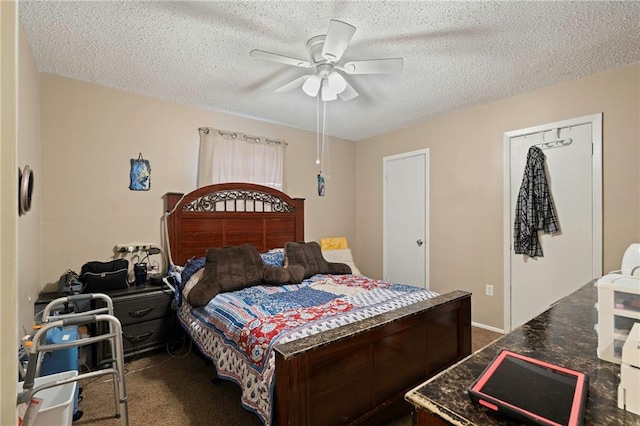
(231, 214)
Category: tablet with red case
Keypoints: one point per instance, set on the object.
(531, 391)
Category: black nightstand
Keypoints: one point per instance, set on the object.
(148, 322)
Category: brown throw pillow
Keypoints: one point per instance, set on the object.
(309, 255)
(227, 268)
(274, 275)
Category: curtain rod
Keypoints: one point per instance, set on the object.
(234, 135)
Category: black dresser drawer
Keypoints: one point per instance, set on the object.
(148, 322)
(139, 336)
(145, 308)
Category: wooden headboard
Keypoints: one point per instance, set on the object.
(231, 214)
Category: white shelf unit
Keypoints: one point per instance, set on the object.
(618, 310)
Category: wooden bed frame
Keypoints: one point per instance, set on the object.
(354, 374)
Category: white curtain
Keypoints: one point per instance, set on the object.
(223, 158)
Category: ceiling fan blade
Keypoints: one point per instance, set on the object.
(338, 37)
(292, 85)
(374, 66)
(274, 57)
(348, 93)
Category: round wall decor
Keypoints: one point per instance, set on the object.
(25, 189)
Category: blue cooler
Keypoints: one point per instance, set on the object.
(62, 360)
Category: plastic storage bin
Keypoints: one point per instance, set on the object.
(618, 310)
(57, 402)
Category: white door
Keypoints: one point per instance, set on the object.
(406, 219)
(573, 256)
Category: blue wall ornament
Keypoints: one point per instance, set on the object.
(321, 184)
(140, 174)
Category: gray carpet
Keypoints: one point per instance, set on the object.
(166, 390)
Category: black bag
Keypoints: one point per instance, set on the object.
(69, 284)
(99, 277)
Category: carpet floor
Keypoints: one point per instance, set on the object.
(165, 389)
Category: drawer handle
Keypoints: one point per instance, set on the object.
(140, 313)
(140, 337)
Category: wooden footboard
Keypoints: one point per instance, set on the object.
(350, 374)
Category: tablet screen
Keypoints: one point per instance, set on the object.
(531, 389)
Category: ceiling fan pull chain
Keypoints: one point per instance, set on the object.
(324, 129)
(317, 130)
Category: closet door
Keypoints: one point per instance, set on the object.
(573, 256)
(406, 218)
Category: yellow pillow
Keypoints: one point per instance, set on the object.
(333, 243)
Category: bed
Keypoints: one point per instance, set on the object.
(354, 372)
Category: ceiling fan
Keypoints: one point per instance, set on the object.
(325, 52)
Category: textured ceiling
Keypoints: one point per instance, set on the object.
(456, 54)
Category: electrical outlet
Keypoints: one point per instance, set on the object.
(134, 247)
(142, 246)
(489, 290)
(126, 248)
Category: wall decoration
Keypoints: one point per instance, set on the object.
(321, 184)
(140, 174)
(25, 190)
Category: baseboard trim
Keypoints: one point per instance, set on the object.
(487, 327)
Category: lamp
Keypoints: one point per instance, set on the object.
(328, 93)
(328, 85)
(312, 85)
(337, 83)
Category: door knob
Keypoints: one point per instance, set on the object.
(419, 243)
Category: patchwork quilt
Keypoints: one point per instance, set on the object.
(238, 330)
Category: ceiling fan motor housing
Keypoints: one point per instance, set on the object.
(324, 66)
(323, 70)
(314, 48)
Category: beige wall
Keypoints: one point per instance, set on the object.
(89, 133)
(29, 225)
(466, 153)
(8, 211)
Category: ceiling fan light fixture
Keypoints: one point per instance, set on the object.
(337, 83)
(327, 92)
(312, 85)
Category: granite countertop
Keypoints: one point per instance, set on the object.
(563, 335)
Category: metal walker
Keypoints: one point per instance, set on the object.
(95, 316)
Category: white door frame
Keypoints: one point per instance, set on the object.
(426, 210)
(596, 165)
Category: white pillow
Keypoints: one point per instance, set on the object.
(341, 256)
(197, 276)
